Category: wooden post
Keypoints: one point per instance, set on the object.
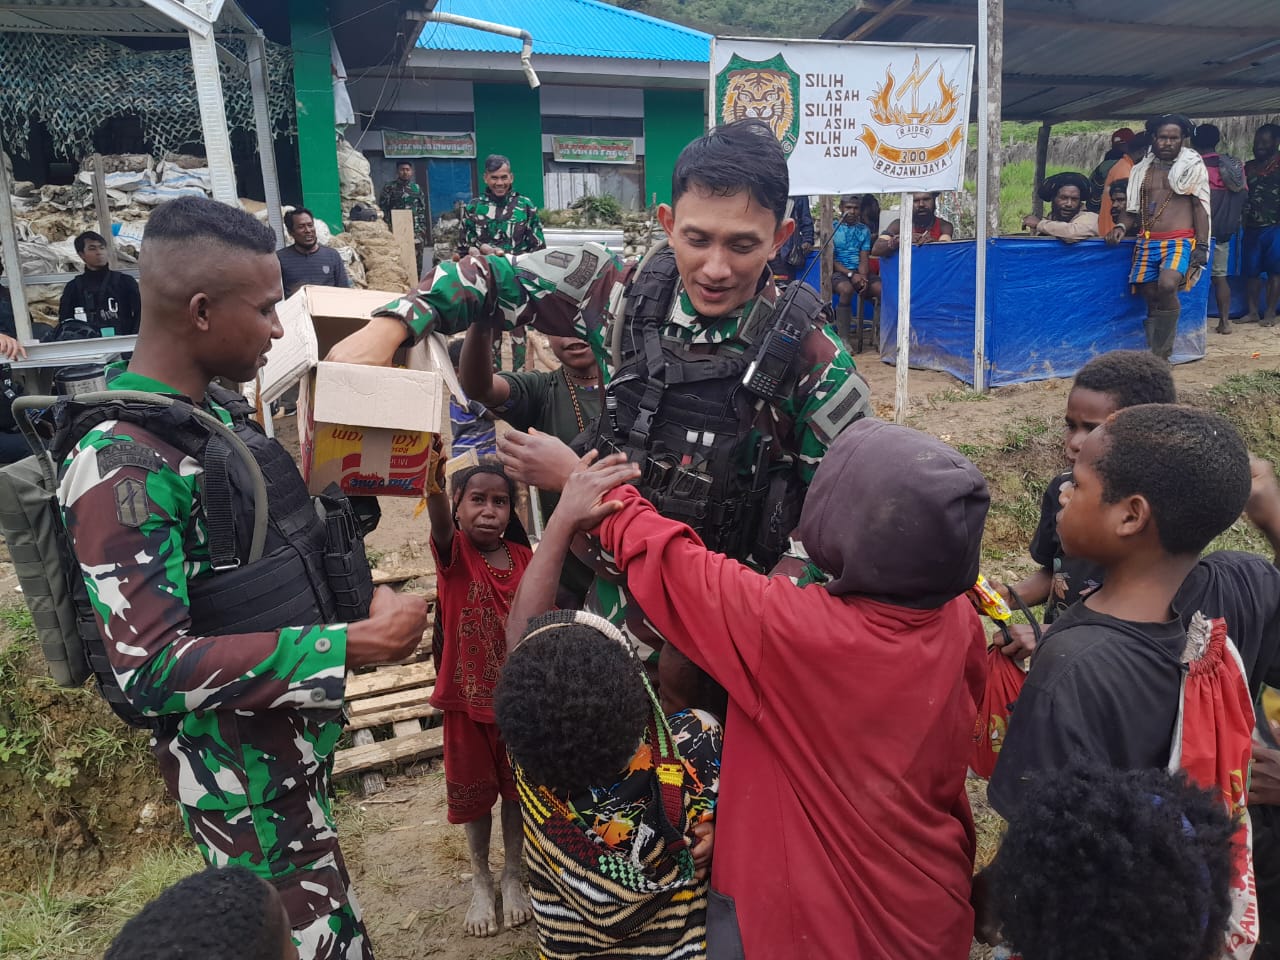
(994, 89)
(12, 259)
(825, 227)
(103, 209)
(906, 243)
(1042, 161)
(402, 228)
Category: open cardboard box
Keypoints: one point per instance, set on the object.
(368, 429)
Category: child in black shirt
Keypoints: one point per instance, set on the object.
(1107, 383)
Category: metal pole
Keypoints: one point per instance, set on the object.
(12, 261)
(213, 114)
(258, 82)
(906, 243)
(987, 221)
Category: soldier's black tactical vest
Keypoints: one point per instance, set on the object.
(682, 412)
(312, 569)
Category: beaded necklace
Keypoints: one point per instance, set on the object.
(1145, 205)
(573, 398)
(500, 574)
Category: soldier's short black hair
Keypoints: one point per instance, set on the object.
(1189, 464)
(89, 236)
(1075, 875)
(571, 705)
(199, 219)
(742, 155)
(495, 162)
(1129, 377)
(403, 163)
(218, 913)
(297, 212)
(1206, 136)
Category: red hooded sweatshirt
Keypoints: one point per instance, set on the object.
(843, 829)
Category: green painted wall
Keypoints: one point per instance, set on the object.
(671, 119)
(509, 122)
(313, 87)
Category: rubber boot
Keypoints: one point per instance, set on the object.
(1161, 326)
(844, 322)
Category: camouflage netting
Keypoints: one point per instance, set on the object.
(74, 84)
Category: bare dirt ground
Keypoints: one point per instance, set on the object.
(410, 866)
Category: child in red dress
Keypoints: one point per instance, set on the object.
(481, 552)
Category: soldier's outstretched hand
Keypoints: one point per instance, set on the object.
(392, 632)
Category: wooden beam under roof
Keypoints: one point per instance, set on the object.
(1016, 17)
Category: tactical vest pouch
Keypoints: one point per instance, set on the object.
(346, 566)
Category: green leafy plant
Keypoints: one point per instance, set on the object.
(595, 210)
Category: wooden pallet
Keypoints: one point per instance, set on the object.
(396, 695)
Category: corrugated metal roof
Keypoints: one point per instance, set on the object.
(1086, 59)
(108, 18)
(580, 28)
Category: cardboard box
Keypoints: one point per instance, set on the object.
(368, 429)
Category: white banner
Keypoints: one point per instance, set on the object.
(852, 117)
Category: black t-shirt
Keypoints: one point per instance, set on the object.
(1106, 690)
(1072, 578)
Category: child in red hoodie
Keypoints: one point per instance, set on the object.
(843, 828)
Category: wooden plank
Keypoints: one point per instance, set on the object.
(419, 711)
(370, 783)
(389, 701)
(387, 679)
(402, 229)
(103, 210)
(418, 746)
(405, 574)
(406, 727)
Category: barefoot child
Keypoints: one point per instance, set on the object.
(1107, 383)
(619, 851)
(480, 551)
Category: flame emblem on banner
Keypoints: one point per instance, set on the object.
(912, 145)
(886, 100)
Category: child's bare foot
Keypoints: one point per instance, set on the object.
(482, 915)
(516, 906)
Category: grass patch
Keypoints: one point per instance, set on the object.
(1244, 386)
(44, 925)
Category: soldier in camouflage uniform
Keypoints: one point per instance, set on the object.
(244, 725)
(501, 221)
(403, 194)
(730, 193)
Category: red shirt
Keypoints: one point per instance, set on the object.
(843, 828)
(475, 601)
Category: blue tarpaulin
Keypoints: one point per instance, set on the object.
(1051, 306)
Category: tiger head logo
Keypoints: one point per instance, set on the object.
(766, 90)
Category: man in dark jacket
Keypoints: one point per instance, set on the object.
(790, 261)
(1228, 193)
(109, 298)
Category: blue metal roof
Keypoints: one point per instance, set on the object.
(582, 28)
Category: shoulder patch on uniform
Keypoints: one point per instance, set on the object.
(133, 506)
(126, 453)
(586, 270)
(559, 258)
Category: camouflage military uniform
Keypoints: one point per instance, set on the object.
(509, 223)
(399, 195)
(567, 293)
(246, 724)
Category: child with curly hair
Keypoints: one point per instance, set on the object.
(1113, 865)
(481, 551)
(1107, 383)
(618, 799)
